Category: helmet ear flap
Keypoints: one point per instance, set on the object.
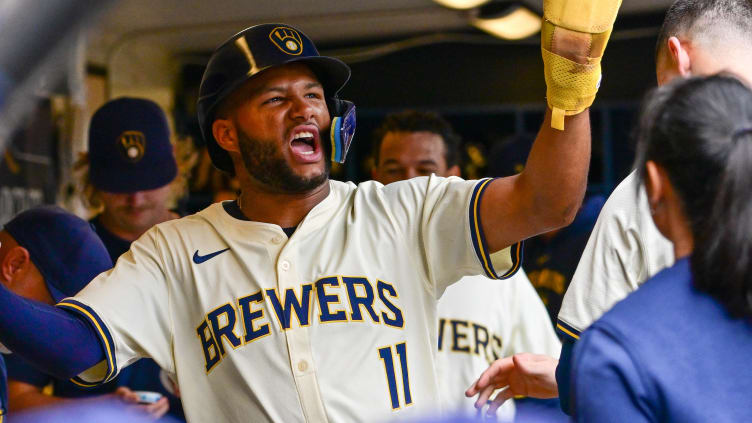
(342, 129)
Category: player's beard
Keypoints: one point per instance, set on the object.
(266, 164)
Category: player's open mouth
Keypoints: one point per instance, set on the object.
(305, 144)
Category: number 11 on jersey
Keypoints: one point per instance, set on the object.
(386, 357)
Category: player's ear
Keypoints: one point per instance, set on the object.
(14, 264)
(679, 57)
(226, 135)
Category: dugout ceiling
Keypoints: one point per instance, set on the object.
(198, 25)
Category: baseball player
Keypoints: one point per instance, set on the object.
(46, 254)
(698, 37)
(480, 320)
(309, 299)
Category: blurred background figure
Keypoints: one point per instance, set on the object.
(46, 254)
(480, 319)
(130, 179)
(130, 176)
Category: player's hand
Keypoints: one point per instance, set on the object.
(530, 375)
(155, 410)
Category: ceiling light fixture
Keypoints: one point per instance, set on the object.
(461, 4)
(508, 20)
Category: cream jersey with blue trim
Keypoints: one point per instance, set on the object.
(337, 323)
(481, 320)
(624, 250)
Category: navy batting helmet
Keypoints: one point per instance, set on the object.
(256, 49)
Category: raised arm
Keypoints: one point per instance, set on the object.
(548, 193)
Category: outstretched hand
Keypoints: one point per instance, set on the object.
(530, 375)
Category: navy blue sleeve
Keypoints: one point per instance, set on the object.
(563, 375)
(606, 382)
(55, 341)
(22, 371)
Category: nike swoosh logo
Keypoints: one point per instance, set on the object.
(200, 259)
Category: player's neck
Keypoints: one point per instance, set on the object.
(285, 210)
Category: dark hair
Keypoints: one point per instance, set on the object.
(700, 18)
(700, 131)
(415, 121)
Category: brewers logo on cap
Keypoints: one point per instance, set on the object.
(132, 145)
(287, 39)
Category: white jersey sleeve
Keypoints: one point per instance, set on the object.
(624, 250)
(443, 214)
(138, 278)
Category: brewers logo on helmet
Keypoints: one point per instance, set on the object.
(287, 39)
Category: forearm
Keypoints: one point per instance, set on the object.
(53, 340)
(555, 175)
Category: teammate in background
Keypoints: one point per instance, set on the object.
(129, 175)
(46, 255)
(689, 361)
(480, 319)
(698, 37)
(130, 181)
(309, 299)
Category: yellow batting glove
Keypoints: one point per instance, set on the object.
(573, 39)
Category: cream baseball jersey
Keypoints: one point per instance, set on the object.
(336, 323)
(624, 250)
(481, 320)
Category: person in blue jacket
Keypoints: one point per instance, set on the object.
(678, 348)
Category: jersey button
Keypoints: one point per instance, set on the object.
(285, 265)
(302, 365)
(276, 239)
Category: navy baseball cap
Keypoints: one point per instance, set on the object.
(65, 248)
(129, 147)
